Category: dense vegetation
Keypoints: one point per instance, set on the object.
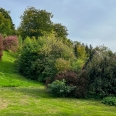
(45, 54)
(22, 97)
(6, 25)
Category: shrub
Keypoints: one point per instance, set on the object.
(34, 62)
(29, 55)
(38, 57)
(101, 71)
(62, 65)
(79, 81)
(69, 76)
(44, 67)
(109, 101)
(20, 42)
(1, 46)
(77, 65)
(82, 85)
(59, 88)
(10, 43)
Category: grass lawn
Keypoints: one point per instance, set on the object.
(21, 97)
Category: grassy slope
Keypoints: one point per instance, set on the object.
(20, 97)
(8, 74)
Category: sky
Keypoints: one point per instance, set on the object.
(88, 21)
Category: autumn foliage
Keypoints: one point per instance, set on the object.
(10, 43)
(79, 81)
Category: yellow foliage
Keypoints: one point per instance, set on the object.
(62, 65)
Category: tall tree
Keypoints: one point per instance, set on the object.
(79, 50)
(61, 31)
(35, 22)
(6, 24)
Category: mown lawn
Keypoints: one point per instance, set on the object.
(21, 97)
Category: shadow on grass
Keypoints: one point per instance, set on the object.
(36, 92)
(7, 67)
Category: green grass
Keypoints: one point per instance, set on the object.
(8, 74)
(21, 97)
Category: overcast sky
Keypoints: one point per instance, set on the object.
(88, 21)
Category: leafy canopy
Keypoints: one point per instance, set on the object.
(35, 22)
(6, 25)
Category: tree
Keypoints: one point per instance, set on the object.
(79, 50)
(35, 22)
(61, 31)
(39, 58)
(101, 71)
(6, 25)
(10, 43)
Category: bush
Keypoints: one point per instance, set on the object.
(62, 64)
(109, 101)
(10, 43)
(59, 88)
(82, 85)
(102, 74)
(44, 67)
(38, 57)
(77, 65)
(1, 47)
(34, 61)
(79, 81)
(29, 55)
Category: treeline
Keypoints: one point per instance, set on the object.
(45, 54)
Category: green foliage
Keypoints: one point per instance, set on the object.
(56, 47)
(77, 65)
(35, 22)
(89, 50)
(59, 88)
(22, 97)
(6, 24)
(39, 57)
(62, 65)
(109, 101)
(79, 50)
(20, 41)
(101, 71)
(33, 61)
(61, 31)
(27, 57)
(1, 46)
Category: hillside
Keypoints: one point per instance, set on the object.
(21, 97)
(8, 74)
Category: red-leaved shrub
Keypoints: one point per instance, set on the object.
(82, 84)
(1, 47)
(80, 81)
(69, 76)
(10, 43)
